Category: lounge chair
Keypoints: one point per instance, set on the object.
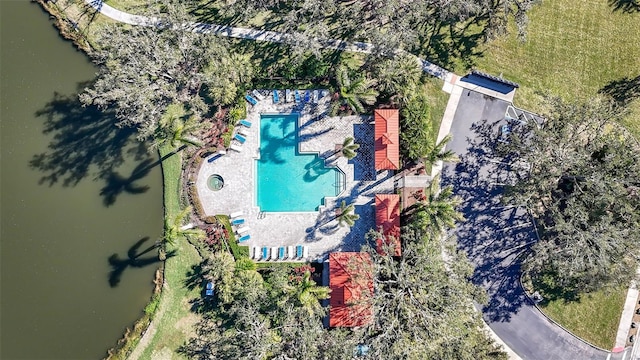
(213, 157)
(236, 214)
(291, 254)
(242, 230)
(282, 253)
(243, 131)
(237, 221)
(235, 147)
(265, 253)
(276, 98)
(274, 253)
(255, 253)
(307, 96)
(299, 251)
(244, 238)
(245, 123)
(257, 94)
(241, 139)
(287, 95)
(305, 252)
(315, 96)
(251, 99)
(297, 95)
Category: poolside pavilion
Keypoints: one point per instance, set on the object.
(387, 139)
(351, 283)
(388, 221)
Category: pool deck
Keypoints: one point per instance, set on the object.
(318, 133)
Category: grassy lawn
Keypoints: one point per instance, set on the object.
(573, 49)
(594, 317)
(438, 100)
(174, 325)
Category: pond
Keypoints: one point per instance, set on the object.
(81, 202)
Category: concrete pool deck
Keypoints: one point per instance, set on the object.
(318, 133)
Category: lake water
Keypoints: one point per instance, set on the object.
(75, 194)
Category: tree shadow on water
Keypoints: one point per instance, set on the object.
(85, 142)
(117, 184)
(134, 259)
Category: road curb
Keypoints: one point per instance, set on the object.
(535, 304)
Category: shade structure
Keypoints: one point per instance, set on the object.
(387, 142)
(351, 283)
(388, 220)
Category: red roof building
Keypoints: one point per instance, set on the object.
(387, 142)
(351, 283)
(388, 219)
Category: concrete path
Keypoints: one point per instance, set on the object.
(253, 34)
(624, 325)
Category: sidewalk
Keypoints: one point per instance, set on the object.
(627, 316)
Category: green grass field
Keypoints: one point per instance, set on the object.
(594, 317)
(573, 49)
(174, 322)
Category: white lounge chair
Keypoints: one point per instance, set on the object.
(236, 147)
(257, 94)
(243, 130)
(236, 214)
(242, 230)
(255, 253)
(305, 252)
(291, 252)
(274, 253)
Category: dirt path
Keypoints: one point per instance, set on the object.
(150, 333)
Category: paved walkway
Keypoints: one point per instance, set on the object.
(318, 134)
(627, 315)
(252, 34)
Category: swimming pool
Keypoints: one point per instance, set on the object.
(288, 181)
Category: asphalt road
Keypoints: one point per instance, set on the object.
(495, 235)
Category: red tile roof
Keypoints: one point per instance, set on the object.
(388, 218)
(387, 142)
(351, 283)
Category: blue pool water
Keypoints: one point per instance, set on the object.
(288, 181)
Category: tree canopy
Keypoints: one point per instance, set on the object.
(584, 190)
(144, 69)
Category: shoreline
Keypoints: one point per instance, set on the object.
(67, 29)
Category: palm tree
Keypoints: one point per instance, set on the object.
(177, 128)
(438, 153)
(349, 148)
(173, 230)
(355, 93)
(346, 214)
(309, 294)
(438, 211)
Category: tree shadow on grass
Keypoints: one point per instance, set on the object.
(134, 259)
(625, 6)
(86, 143)
(623, 91)
(446, 44)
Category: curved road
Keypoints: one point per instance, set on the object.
(494, 235)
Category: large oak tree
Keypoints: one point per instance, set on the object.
(584, 190)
